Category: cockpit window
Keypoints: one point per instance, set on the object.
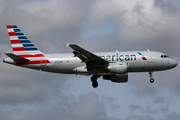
(164, 56)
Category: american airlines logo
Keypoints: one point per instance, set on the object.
(142, 56)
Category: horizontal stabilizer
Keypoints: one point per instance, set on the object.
(15, 57)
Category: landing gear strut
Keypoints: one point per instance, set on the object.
(94, 81)
(151, 79)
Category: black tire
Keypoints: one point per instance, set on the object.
(95, 84)
(151, 80)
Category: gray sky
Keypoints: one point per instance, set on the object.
(96, 25)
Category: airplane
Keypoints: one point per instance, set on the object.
(113, 66)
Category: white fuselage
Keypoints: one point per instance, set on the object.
(66, 63)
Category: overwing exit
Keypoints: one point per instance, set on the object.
(113, 66)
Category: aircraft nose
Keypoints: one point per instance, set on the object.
(173, 63)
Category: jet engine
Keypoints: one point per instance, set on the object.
(117, 78)
(117, 67)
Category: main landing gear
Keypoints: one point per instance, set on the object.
(94, 81)
(151, 79)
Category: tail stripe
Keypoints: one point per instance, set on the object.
(15, 49)
(33, 62)
(31, 55)
(13, 37)
(15, 41)
(18, 40)
(25, 41)
(12, 34)
(24, 48)
(17, 45)
(28, 45)
(17, 30)
(30, 49)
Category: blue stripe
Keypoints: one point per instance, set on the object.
(139, 53)
(19, 34)
(31, 49)
(22, 37)
(17, 30)
(14, 26)
(25, 41)
(28, 45)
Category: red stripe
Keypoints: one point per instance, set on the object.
(12, 34)
(143, 58)
(19, 49)
(31, 55)
(9, 26)
(32, 62)
(38, 62)
(15, 41)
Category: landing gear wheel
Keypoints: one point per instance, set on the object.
(151, 80)
(95, 84)
(94, 81)
(150, 75)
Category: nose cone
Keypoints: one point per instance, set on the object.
(173, 63)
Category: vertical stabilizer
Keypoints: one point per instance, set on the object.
(25, 52)
(19, 41)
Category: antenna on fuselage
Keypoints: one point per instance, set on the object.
(147, 49)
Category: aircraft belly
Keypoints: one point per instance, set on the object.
(66, 67)
(146, 67)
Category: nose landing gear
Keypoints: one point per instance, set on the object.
(151, 79)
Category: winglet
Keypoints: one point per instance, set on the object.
(67, 44)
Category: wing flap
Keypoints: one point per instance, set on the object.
(15, 57)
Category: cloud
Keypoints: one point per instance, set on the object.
(87, 106)
(51, 21)
(26, 86)
(173, 115)
(138, 117)
(139, 22)
(170, 8)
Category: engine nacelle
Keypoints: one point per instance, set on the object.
(81, 69)
(117, 78)
(118, 67)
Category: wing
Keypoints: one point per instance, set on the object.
(92, 61)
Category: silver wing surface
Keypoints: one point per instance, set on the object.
(93, 62)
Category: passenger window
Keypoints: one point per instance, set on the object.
(161, 56)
